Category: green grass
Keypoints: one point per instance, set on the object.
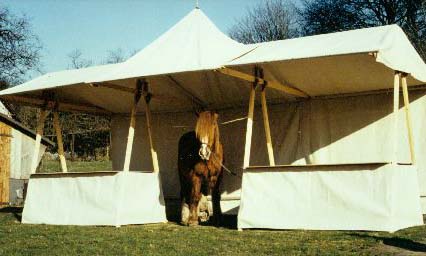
(173, 239)
(75, 166)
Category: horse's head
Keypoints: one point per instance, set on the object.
(207, 131)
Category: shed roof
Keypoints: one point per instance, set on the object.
(23, 129)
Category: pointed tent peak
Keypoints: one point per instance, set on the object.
(194, 43)
(195, 26)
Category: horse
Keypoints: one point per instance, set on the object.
(200, 157)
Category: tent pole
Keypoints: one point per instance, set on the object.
(266, 121)
(408, 117)
(397, 77)
(267, 129)
(39, 133)
(58, 131)
(249, 129)
(131, 134)
(148, 123)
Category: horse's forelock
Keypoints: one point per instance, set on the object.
(207, 127)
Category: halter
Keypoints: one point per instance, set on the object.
(208, 149)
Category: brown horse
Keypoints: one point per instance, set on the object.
(200, 167)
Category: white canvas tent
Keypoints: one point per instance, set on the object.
(194, 65)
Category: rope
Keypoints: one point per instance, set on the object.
(227, 169)
(233, 121)
(231, 172)
(224, 123)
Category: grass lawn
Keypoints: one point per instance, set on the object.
(173, 239)
(75, 166)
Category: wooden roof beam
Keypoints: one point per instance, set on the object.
(271, 84)
(114, 86)
(63, 106)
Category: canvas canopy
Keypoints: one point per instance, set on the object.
(195, 42)
(344, 62)
(184, 67)
(194, 64)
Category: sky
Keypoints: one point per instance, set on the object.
(98, 26)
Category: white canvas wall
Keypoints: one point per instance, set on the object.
(343, 197)
(111, 199)
(21, 154)
(21, 151)
(341, 130)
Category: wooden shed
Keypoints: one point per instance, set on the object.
(16, 148)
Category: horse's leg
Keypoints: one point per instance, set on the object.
(194, 199)
(184, 197)
(216, 196)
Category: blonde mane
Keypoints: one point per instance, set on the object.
(207, 126)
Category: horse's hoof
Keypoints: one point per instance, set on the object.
(193, 223)
(185, 214)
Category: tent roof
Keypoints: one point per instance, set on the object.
(390, 42)
(180, 67)
(193, 44)
(342, 62)
(61, 78)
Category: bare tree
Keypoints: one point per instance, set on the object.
(324, 16)
(80, 128)
(19, 47)
(269, 21)
(115, 56)
(77, 61)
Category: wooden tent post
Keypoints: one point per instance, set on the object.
(39, 133)
(131, 134)
(249, 130)
(154, 155)
(266, 123)
(267, 129)
(395, 116)
(58, 131)
(408, 117)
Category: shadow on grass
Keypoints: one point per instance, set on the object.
(402, 243)
(228, 221)
(16, 211)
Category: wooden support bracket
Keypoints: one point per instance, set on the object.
(131, 135)
(39, 133)
(147, 95)
(271, 84)
(58, 131)
(114, 86)
(395, 136)
(266, 122)
(408, 117)
(249, 129)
